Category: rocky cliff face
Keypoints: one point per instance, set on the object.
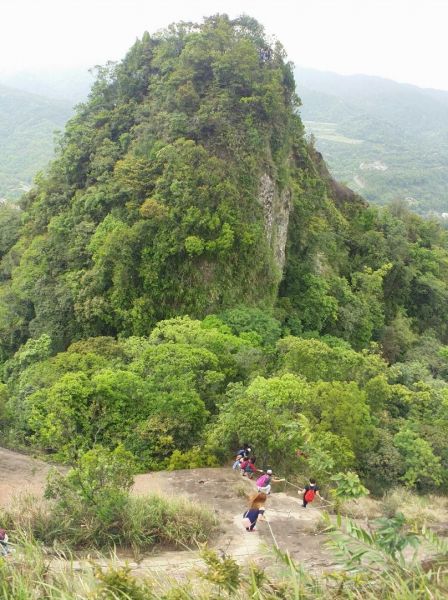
(276, 210)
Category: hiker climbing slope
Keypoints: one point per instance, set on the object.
(249, 468)
(241, 456)
(309, 492)
(256, 509)
(4, 546)
(264, 482)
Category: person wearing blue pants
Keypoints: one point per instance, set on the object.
(256, 509)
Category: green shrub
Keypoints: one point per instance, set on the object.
(191, 459)
(119, 584)
(348, 486)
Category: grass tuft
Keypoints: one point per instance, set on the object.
(140, 523)
(419, 511)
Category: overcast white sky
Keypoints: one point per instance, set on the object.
(405, 40)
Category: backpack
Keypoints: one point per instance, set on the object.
(263, 480)
(2, 534)
(309, 495)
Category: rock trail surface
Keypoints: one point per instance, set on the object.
(220, 489)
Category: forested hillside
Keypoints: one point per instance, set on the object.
(27, 126)
(185, 186)
(386, 140)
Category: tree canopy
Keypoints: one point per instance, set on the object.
(185, 186)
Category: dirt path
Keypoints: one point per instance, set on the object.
(20, 474)
(222, 490)
(293, 527)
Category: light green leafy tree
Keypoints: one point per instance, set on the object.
(341, 408)
(348, 486)
(95, 490)
(272, 415)
(421, 464)
(317, 360)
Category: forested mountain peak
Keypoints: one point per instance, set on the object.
(184, 184)
(172, 189)
(187, 276)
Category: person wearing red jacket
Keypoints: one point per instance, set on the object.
(249, 470)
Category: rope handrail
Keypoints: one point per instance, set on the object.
(300, 488)
(272, 533)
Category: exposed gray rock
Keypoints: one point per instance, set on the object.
(276, 209)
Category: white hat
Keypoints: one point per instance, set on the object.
(269, 471)
(249, 449)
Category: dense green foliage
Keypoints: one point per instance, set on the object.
(153, 211)
(10, 220)
(151, 208)
(27, 126)
(386, 140)
(191, 391)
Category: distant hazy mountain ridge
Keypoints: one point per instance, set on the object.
(27, 126)
(384, 139)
